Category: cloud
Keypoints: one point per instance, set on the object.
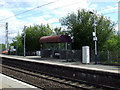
(26, 0)
(53, 20)
(3, 3)
(66, 6)
(116, 28)
(14, 25)
(109, 8)
(2, 32)
(93, 6)
(4, 14)
(104, 0)
(61, 7)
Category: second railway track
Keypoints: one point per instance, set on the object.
(44, 81)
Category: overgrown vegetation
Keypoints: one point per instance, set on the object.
(81, 26)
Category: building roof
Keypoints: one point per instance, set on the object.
(55, 39)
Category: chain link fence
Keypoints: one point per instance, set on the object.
(71, 55)
(109, 57)
(104, 57)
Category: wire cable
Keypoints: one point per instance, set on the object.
(30, 10)
(67, 5)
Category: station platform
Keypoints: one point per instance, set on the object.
(8, 83)
(76, 64)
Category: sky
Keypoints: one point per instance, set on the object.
(28, 12)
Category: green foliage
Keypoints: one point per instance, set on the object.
(2, 47)
(33, 35)
(81, 26)
(32, 38)
(118, 43)
(59, 31)
(17, 43)
(109, 57)
(112, 43)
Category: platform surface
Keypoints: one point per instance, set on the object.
(77, 64)
(9, 83)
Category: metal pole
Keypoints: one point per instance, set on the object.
(95, 42)
(24, 40)
(66, 45)
(95, 52)
(95, 38)
(16, 46)
(6, 42)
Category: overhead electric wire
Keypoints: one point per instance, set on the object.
(47, 10)
(62, 7)
(52, 9)
(111, 13)
(30, 10)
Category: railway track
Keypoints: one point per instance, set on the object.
(44, 81)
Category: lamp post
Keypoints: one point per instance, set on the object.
(95, 38)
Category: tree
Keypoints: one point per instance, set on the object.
(33, 35)
(113, 43)
(59, 31)
(17, 43)
(81, 26)
(2, 47)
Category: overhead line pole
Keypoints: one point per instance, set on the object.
(6, 37)
(95, 41)
(24, 40)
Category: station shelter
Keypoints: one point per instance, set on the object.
(53, 46)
